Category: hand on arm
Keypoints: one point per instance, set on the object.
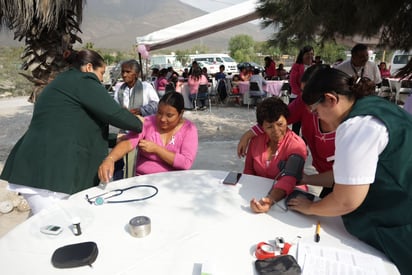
(135, 111)
(343, 200)
(163, 153)
(243, 143)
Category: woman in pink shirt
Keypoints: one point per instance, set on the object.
(167, 142)
(318, 134)
(266, 152)
(303, 61)
(194, 80)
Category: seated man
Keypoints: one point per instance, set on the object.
(269, 153)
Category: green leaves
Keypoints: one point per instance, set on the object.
(305, 20)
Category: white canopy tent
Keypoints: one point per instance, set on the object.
(201, 26)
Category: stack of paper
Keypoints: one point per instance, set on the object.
(321, 260)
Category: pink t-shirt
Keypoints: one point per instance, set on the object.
(256, 159)
(295, 77)
(194, 84)
(184, 144)
(161, 83)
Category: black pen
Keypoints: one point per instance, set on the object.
(317, 236)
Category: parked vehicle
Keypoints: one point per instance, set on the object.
(399, 60)
(218, 59)
(211, 67)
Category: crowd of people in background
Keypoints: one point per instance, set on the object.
(167, 79)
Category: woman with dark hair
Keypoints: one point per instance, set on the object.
(68, 135)
(275, 146)
(303, 61)
(270, 68)
(318, 134)
(373, 164)
(167, 142)
(195, 79)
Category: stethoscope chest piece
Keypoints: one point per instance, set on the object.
(99, 201)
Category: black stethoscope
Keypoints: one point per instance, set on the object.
(102, 198)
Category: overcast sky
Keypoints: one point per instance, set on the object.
(211, 5)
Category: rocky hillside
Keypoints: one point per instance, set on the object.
(114, 24)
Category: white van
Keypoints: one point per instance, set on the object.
(399, 60)
(218, 58)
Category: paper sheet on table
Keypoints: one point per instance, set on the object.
(322, 260)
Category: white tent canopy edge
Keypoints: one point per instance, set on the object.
(200, 26)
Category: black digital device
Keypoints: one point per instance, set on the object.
(51, 229)
(232, 178)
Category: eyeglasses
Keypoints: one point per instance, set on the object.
(312, 107)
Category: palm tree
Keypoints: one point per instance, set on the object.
(49, 29)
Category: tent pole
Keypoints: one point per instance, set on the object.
(141, 68)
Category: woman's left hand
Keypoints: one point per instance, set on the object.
(300, 204)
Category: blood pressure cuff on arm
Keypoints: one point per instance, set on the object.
(75, 255)
(293, 166)
(280, 265)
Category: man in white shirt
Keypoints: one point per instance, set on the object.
(359, 65)
(140, 98)
(137, 96)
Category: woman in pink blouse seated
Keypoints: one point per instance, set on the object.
(318, 134)
(167, 142)
(266, 152)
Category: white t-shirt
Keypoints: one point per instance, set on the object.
(149, 94)
(358, 143)
(370, 70)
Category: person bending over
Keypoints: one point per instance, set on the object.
(373, 164)
(68, 135)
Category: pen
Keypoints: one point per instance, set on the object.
(317, 236)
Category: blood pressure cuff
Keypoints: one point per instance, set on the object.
(75, 255)
(293, 166)
(298, 193)
(279, 265)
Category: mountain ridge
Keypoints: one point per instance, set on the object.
(115, 24)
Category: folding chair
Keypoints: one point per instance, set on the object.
(202, 94)
(232, 92)
(221, 90)
(255, 94)
(385, 89)
(214, 95)
(285, 92)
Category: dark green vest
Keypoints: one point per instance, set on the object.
(384, 219)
